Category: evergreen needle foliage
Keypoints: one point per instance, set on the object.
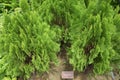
(116, 43)
(9, 5)
(90, 32)
(27, 43)
(30, 35)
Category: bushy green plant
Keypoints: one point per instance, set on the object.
(27, 43)
(31, 35)
(90, 32)
(116, 44)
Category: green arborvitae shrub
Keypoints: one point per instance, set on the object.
(116, 42)
(27, 43)
(87, 26)
(31, 35)
(90, 31)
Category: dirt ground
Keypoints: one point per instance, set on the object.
(55, 74)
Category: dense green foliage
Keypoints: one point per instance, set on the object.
(28, 43)
(116, 43)
(31, 32)
(8, 5)
(90, 34)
